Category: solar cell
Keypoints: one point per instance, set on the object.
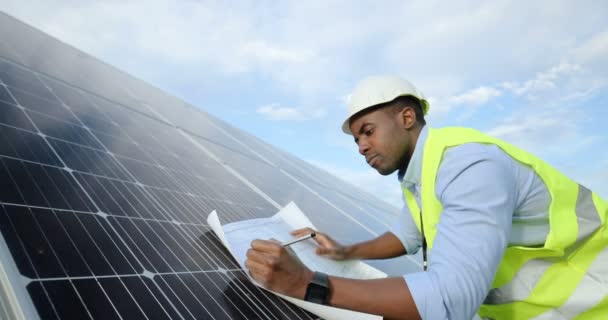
(106, 185)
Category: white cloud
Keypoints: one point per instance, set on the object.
(466, 102)
(344, 99)
(544, 81)
(322, 47)
(594, 49)
(550, 134)
(469, 99)
(198, 38)
(476, 96)
(561, 82)
(473, 43)
(276, 113)
(268, 53)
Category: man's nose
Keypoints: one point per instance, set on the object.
(363, 147)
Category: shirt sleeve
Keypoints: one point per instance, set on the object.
(405, 229)
(476, 187)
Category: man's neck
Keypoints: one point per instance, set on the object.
(402, 170)
(406, 162)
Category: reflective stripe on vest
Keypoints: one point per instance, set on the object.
(588, 293)
(566, 277)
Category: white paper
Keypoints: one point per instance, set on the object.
(237, 237)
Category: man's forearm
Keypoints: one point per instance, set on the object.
(384, 246)
(389, 297)
(271, 265)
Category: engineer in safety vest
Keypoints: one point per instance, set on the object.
(508, 236)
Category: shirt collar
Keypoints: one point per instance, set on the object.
(414, 168)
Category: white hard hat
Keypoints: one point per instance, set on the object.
(376, 90)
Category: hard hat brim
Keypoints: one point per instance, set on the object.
(346, 124)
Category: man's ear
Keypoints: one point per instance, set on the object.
(408, 117)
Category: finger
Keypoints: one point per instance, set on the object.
(324, 251)
(256, 256)
(263, 258)
(265, 246)
(251, 268)
(302, 232)
(257, 276)
(319, 236)
(254, 266)
(323, 240)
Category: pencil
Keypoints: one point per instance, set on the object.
(302, 238)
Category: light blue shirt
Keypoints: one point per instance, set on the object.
(489, 201)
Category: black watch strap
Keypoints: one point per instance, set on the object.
(318, 288)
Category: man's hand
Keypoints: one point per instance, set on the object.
(328, 247)
(276, 269)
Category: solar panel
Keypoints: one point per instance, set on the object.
(106, 185)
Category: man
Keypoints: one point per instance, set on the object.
(508, 236)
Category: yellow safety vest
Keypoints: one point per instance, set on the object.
(567, 278)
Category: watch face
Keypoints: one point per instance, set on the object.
(316, 293)
(317, 289)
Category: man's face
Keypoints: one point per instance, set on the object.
(382, 139)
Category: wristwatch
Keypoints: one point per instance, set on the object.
(318, 288)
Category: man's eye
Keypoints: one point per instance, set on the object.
(369, 132)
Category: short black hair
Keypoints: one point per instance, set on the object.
(401, 102)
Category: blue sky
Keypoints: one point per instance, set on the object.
(534, 73)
